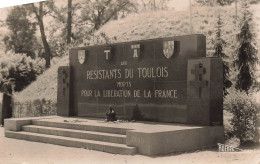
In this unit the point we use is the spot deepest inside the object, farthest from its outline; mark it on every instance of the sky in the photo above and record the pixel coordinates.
(4, 4)
(8, 3)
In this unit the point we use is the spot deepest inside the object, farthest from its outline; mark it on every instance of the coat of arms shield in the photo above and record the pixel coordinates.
(168, 48)
(108, 54)
(136, 51)
(81, 56)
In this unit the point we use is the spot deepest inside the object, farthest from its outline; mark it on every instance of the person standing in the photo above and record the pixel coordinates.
(7, 90)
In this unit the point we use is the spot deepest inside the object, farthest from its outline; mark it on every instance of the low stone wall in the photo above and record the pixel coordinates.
(34, 108)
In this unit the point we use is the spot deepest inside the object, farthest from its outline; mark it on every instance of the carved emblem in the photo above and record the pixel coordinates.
(168, 48)
(136, 51)
(81, 56)
(199, 71)
(108, 54)
(65, 82)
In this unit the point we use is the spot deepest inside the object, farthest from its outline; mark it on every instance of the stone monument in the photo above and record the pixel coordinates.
(161, 80)
(167, 85)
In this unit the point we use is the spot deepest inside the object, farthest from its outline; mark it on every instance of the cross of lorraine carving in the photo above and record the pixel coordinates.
(199, 71)
(65, 82)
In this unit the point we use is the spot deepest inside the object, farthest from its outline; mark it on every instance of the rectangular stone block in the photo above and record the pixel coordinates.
(64, 105)
(165, 142)
(205, 91)
(15, 124)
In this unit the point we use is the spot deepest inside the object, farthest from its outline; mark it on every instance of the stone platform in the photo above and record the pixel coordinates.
(146, 138)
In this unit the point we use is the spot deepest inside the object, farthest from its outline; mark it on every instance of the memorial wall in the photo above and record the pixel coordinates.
(144, 80)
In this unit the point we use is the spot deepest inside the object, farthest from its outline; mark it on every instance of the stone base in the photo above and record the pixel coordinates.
(178, 139)
(147, 138)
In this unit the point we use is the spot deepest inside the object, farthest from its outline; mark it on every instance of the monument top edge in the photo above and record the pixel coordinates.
(139, 41)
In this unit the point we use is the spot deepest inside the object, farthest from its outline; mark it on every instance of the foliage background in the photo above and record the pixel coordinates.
(145, 26)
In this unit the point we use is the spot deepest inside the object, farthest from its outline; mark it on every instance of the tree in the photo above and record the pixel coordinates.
(214, 2)
(59, 15)
(246, 53)
(190, 6)
(219, 44)
(153, 5)
(65, 31)
(254, 1)
(39, 13)
(22, 32)
(99, 12)
(223, 2)
(78, 20)
(69, 21)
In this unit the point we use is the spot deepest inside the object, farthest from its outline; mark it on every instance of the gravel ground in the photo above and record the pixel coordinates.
(14, 151)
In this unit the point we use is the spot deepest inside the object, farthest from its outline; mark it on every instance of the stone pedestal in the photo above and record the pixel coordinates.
(146, 138)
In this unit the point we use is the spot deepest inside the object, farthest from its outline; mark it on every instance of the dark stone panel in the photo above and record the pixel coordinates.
(204, 91)
(171, 101)
(64, 105)
(138, 73)
(198, 98)
(216, 101)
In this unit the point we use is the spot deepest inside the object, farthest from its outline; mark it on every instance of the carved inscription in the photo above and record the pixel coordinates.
(125, 88)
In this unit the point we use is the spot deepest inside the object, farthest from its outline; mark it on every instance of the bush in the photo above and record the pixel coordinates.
(45, 87)
(40, 97)
(245, 116)
(22, 68)
(34, 108)
(228, 128)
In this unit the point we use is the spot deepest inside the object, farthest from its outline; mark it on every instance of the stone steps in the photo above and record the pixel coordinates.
(146, 138)
(81, 134)
(114, 148)
(86, 127)
(107, 138)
